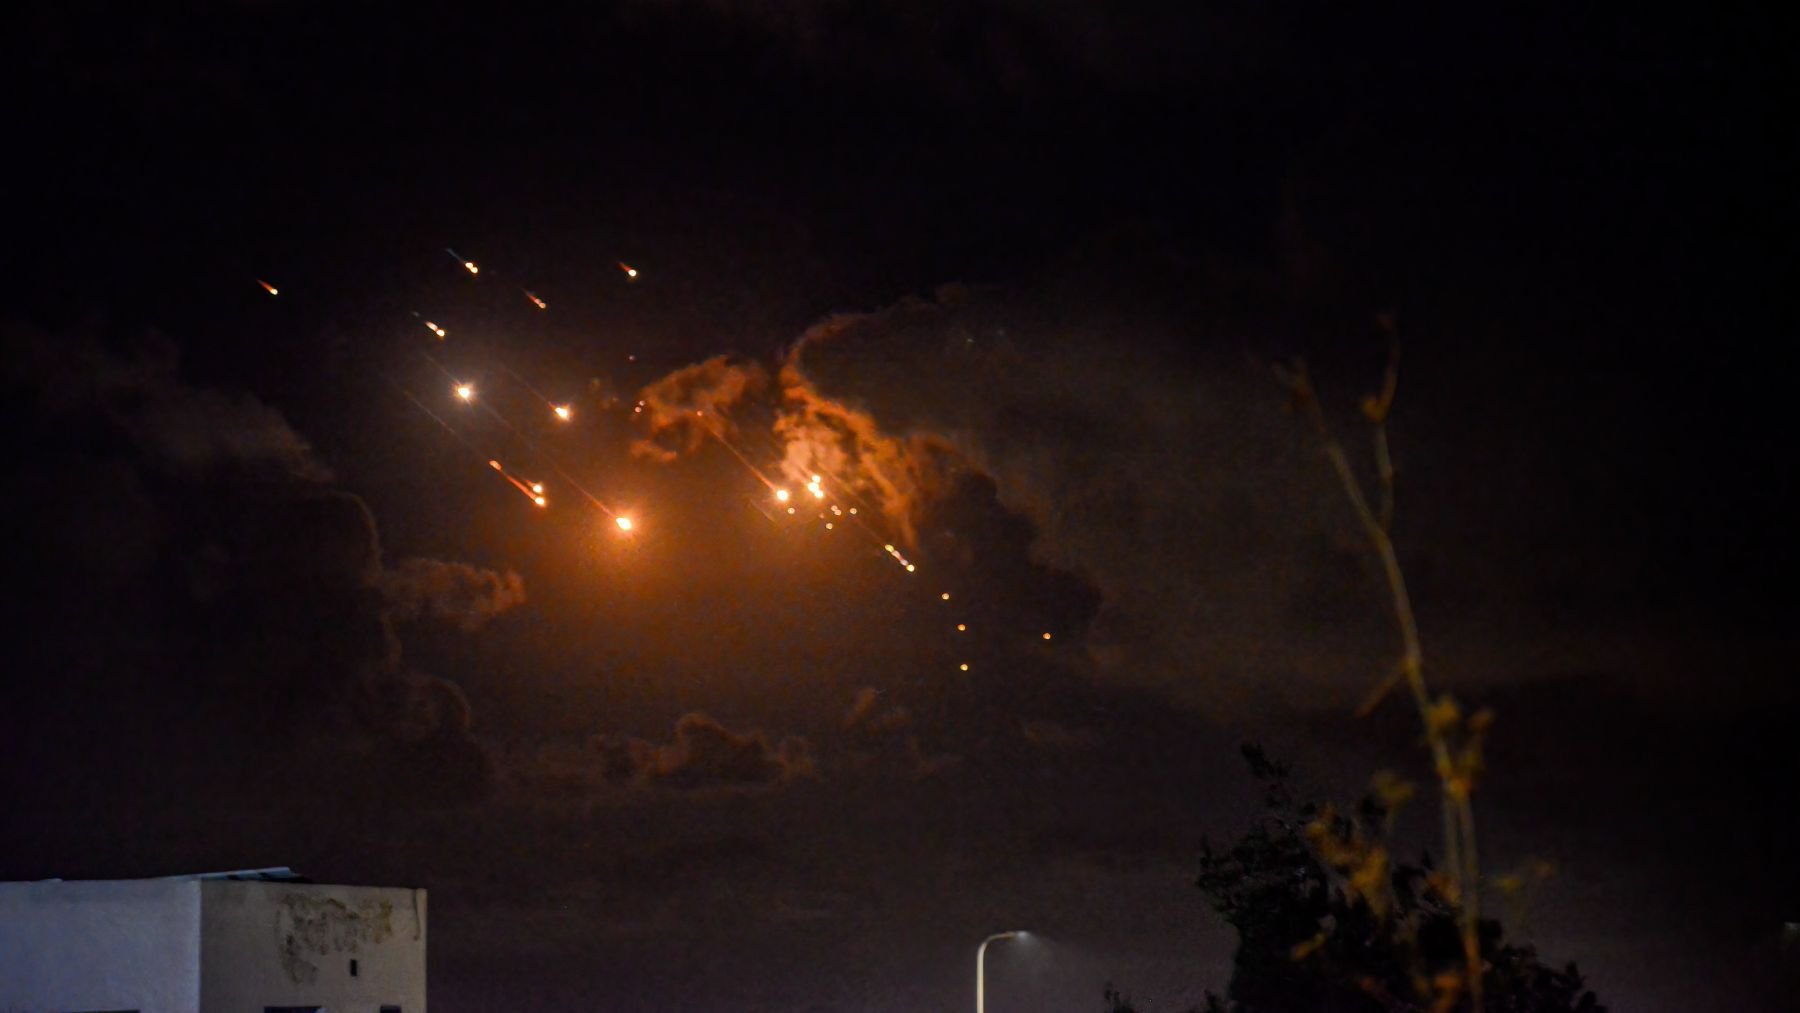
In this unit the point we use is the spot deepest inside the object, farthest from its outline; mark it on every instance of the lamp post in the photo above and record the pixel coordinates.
(981, 968)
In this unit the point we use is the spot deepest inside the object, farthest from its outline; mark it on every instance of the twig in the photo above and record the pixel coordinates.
(1458, 813)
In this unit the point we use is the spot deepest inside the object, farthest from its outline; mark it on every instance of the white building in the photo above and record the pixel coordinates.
(261, 941)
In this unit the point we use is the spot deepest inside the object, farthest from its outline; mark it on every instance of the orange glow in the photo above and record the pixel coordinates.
(495, 465)
(563, 412)
(540, 501)
(465, 391)
(624, 523)
(272, 290)
(470, 264)
(781, 495)
(827, 525)
(960, 628)
(435, 329)
(964, 666)
(945, 596)
(813, 487)
(630, 272)
(1046, 636)
(535, 301)
(910, 568)
(790, 509)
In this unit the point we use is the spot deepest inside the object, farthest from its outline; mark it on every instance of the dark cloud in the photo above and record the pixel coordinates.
(703, 754)
(706, 754)
(195, 577)
(466, 595)
(869, 716)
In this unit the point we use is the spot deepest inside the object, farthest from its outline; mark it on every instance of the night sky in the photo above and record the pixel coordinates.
(1037, 259)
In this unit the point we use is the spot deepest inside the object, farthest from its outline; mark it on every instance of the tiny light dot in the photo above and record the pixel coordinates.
(961, 627)
(964, 666)
(1046, 636)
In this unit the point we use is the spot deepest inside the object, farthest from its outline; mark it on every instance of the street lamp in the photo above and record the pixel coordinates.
(981, 968)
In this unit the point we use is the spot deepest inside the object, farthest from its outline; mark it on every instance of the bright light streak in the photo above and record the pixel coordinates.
(910, 568)
(535, 301)
(630, 272)
(435, 329)
(272, 290)
(563, 412)
(470, 265)
(496, 466)
(465, 391)
(624, 523)
(537, 487)
(781, 496)
(889, 548)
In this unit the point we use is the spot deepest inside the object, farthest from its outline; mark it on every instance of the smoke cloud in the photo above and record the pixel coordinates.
(198, 577)
(453, 592)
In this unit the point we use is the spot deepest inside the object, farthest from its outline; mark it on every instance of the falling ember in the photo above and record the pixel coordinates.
(470, 265)
(272, 290)
(624, 523)
(630, 272)
(910, 568)
(435, 329)
(964, 666)
(540, 501)
(781, 496)
(563, 412)
(962, 628)
(945, 596)
(537, 487)
(827, 525)
(465, 391)
(1046, 636)
(817, 492)
(535, 301)
(496, 466)
(790, 509)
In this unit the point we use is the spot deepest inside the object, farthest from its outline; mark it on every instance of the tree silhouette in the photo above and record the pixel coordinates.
(1327, 921)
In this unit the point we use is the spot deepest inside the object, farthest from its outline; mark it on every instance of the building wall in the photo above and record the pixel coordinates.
(291, 944)
(100, 945)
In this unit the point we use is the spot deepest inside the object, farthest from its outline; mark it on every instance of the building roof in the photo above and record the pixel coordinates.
(273, 874)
